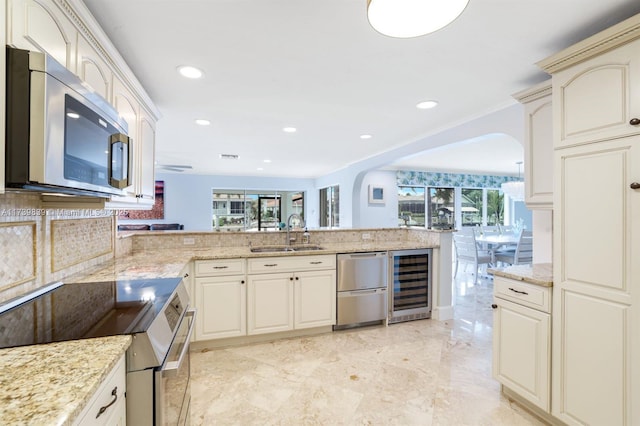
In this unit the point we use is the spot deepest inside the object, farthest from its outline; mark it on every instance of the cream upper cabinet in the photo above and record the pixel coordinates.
(597, 99)
(92, 69)
(146, 159)
(129, 109)
(596, 294)
(538, 145)
(65, 30)
(41, 25)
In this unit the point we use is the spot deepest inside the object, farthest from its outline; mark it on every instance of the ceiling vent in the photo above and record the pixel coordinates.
(229, 156)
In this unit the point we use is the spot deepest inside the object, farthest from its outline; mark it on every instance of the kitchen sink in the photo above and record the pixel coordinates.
(307, 248)
(281, 249)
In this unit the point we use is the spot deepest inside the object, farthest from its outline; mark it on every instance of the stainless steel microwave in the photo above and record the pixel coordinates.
(61, 136)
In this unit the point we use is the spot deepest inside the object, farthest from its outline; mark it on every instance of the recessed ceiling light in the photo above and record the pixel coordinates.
(289, 129)
(202, 122)
(365, 136)
(427, 104)
(189, 71)
(266, 161)
(259, 169)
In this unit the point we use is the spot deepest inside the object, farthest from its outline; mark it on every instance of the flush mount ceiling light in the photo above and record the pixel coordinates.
(365, 136)
(202, 122)
(412, 18)
(289, 129)
(514, 189)
(427, 104)
(189, 71)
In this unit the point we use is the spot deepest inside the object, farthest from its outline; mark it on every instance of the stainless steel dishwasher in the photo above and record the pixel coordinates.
(362, 288)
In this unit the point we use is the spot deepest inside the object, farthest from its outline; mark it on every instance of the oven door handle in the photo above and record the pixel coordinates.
(170, 369)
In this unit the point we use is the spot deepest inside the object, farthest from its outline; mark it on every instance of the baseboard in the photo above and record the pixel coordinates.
(442, 313)
(258, 338)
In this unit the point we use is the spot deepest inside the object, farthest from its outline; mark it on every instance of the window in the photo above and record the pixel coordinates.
(495, 207)
(441, 208)
(251, 210)
(330, 207)
(472, 207)
(411, 206)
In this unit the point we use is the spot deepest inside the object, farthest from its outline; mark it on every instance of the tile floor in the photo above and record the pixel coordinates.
(414, 373)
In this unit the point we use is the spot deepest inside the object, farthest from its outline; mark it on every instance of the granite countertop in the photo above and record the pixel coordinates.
(539, 273)
(167, 263)
(51, 384)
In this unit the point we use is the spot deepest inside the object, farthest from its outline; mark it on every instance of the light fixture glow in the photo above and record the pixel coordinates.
(74, 115)
(365, 136)
(260, 169)
(412, 18)
(266, 161)
(514, 189)
(202, 122)
(189, 71)
(427, 104)
(289, 129)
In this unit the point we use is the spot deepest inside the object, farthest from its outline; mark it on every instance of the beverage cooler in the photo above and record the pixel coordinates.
(409, 285)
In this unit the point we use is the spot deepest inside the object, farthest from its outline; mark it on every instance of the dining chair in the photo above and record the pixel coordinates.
(467, 251)
(522, 254)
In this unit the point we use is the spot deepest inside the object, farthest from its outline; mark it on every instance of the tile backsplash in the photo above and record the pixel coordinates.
(40, 245)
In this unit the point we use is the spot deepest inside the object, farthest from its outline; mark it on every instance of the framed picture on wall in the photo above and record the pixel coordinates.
(376, 194)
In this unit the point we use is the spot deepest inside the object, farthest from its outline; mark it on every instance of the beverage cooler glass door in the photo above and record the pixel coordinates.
(410, 283)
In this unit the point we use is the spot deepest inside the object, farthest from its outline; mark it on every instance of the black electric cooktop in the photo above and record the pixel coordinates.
(84, 310)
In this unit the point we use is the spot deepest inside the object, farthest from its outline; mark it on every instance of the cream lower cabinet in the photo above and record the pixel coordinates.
(287, 293)
(110, 396)
(522, 340)
(270, 303)
(220, 294)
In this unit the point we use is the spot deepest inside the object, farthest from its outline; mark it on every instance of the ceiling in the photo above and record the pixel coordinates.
(319, 67)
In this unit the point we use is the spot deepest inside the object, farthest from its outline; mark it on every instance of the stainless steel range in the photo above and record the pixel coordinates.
(155, 312)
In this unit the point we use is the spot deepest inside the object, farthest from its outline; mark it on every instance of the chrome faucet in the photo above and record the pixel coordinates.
(293, 216)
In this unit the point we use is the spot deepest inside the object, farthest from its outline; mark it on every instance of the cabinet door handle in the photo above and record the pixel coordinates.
(114, 393)
(494, 306)
(242, 282)
(290, 278)
(634, 185)
(518, 291)
(634, 121)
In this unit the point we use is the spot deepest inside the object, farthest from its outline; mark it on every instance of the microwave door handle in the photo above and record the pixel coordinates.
(120, 138)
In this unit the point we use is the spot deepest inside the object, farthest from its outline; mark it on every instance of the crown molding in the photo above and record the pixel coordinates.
(615, 36)
(87, 25)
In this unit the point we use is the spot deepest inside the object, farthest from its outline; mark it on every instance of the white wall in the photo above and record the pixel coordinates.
(187, 198)
(379, 215)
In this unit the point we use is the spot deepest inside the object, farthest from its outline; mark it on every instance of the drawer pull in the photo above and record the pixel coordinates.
(518, 291)
(220, 267)
(634, 121)
(270, 264)
(114, 393)
(315, 263)
(634, 185)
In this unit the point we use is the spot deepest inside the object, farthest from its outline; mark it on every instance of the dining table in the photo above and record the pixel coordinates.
(492, 242)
